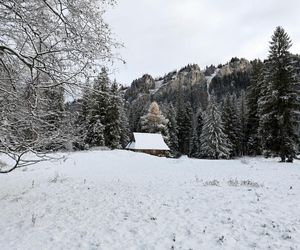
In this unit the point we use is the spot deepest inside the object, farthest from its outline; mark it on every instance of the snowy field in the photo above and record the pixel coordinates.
(123, 200)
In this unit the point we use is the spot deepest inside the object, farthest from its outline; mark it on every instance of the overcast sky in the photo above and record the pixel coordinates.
(163, 35)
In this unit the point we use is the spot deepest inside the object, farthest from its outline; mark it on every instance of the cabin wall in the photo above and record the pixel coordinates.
(159, 153)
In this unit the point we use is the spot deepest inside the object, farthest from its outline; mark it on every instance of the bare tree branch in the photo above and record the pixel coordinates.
(46, 47)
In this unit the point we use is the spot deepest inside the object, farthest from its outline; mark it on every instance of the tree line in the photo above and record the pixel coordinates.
(262, 120)
(101, 119)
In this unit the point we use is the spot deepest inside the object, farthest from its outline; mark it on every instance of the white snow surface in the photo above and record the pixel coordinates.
(158, 84)
(125, 200)
(209, 79)
(148, 141)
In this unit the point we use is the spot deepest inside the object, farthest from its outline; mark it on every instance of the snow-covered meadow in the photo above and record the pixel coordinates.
(125, 200)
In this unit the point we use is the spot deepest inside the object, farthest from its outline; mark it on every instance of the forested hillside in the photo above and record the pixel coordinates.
(238, 108)
(216, 112)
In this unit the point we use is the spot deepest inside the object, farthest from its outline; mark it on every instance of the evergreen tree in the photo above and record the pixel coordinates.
(242, 111)
(189, 125)
(172, 128)
(102, 120)
(97, 129)
(125, 131)
(184, 123)
(97, 103)
(214, 142)
(253, 95)
(136, 110)
(278, 104)
(196, 139)
(82, 108)
(231, 124)
(113, 118)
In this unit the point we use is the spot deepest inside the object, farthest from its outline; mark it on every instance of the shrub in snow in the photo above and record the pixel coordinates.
(221, 239)
(250, 183)
(57, 178)
(212, 183)
(246, 183)
(33, 219)
(233, 182)
(244, 161)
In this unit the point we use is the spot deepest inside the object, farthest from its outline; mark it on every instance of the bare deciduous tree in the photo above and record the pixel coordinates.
(46, 48)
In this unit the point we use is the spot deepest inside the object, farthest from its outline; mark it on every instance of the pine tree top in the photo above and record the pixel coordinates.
(280, 43)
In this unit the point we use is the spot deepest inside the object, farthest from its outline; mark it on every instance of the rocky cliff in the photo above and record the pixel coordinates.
(231, 78)
(196, 84)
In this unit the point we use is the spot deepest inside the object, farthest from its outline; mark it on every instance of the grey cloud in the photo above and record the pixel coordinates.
(160, 36)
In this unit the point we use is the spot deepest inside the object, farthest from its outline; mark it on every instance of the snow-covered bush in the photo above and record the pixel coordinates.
(246, 183)
(250, 183)
(212, 183)
(233, 182)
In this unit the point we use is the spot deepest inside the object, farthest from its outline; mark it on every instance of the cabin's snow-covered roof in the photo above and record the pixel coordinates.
(147, 141)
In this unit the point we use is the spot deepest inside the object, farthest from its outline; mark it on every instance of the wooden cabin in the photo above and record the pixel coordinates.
(148, 143)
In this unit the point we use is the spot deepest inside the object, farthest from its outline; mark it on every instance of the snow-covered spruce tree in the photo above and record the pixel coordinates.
(231, 124)
(113, 118)
(155, 122)
(278, 104)
(125, 130)
(136, 110)
(185, 128)
(97, 129)
(184, 122)
(81, 124)
(97, 108)
(172, 142)
(189, 120)
(196, 138)
(214, 142)
(242, 110)
(253, 95)
(296, 65)
(102, 110)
